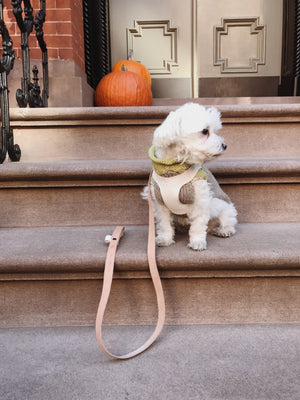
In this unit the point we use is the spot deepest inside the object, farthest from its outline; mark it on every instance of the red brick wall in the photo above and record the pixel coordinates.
(63, 30)
(77, 33)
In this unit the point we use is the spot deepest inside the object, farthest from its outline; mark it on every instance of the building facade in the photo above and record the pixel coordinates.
(192, 49)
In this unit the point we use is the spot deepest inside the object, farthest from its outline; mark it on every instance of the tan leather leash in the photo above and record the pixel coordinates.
(107, 281)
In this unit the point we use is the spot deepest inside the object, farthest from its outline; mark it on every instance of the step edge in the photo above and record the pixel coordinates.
(133, 169)
(136, 261)
(151, 112)
(145, 274)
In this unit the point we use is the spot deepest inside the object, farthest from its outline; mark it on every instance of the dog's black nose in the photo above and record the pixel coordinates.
(224, 146)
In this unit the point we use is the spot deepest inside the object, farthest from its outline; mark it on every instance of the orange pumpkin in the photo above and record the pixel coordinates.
(134, 66)
(121, 89)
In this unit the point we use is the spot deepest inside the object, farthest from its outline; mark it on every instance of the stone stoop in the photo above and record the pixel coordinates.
(52, 276)
(125, 133)
(82, 172)
(83, 193)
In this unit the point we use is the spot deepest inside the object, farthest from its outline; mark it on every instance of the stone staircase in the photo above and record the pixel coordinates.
(82, 172)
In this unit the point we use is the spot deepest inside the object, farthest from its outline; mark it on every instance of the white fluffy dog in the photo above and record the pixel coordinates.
(184, 192)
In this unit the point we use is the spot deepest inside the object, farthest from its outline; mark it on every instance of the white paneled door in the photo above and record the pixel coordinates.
(201, 48)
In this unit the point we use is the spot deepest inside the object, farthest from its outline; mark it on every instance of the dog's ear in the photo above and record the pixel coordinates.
(166, 133)
(215, 118)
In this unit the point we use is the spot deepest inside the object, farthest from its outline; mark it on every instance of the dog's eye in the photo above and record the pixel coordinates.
(205, 131)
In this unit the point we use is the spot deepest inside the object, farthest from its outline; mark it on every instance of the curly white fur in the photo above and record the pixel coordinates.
(189, 135)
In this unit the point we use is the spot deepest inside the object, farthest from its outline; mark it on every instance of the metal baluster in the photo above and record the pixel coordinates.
(35, 99)
(30, 91)
(38, 23)
(297, 47)
(6, 64)
(25, 25)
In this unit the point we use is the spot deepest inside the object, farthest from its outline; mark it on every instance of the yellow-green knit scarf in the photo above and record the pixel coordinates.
(163, 166)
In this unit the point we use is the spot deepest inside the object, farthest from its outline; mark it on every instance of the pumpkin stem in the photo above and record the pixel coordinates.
(123, 68)
(130, 55)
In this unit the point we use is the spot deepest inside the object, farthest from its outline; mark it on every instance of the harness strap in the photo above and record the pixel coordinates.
(107, 281)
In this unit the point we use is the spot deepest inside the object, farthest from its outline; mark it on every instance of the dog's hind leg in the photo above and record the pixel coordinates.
(227, 218)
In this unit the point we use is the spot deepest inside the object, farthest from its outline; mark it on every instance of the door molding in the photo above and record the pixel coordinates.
(96, 40)
(290, 61)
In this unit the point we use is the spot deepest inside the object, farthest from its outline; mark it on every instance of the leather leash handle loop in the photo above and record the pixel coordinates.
(107, 281)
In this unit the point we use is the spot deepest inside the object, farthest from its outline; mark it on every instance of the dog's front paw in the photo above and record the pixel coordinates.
(162, 240)
(198, 245)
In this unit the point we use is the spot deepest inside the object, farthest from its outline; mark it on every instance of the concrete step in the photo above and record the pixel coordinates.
(243, 362)
(108, 192)
(52, 276)
(250, 130)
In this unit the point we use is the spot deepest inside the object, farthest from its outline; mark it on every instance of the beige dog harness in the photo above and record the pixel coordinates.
(171, 176)
(170, 188)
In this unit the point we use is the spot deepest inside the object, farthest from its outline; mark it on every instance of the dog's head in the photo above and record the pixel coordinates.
(189, 135)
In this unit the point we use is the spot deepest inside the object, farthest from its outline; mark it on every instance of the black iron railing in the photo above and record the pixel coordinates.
(6, 64)
(297, 48)
(30, 92)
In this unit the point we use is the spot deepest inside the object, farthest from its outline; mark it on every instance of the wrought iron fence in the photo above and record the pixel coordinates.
(30, 92)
